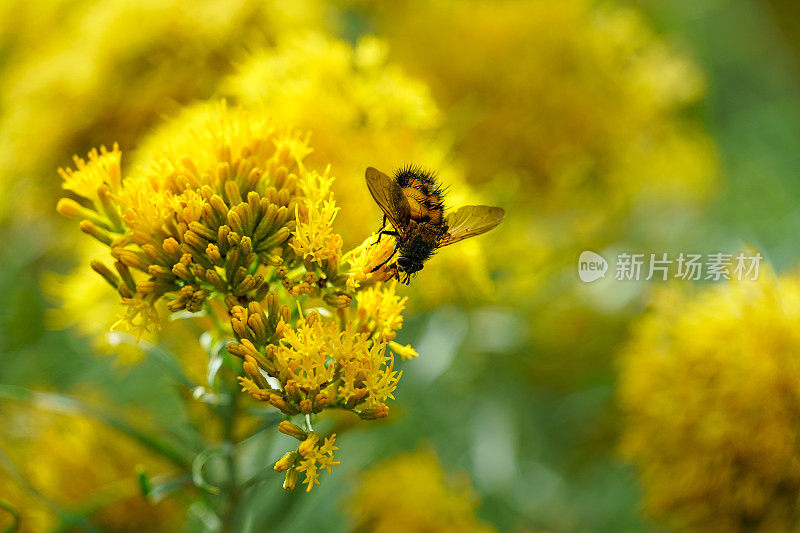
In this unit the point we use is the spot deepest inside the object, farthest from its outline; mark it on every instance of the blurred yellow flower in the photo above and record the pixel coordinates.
(77, 73)
(79, 465)
(571, 115)
(710, 389)
(410, 492)
(573, 103)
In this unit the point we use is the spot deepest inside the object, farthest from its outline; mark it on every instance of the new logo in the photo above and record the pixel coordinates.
(591, 266)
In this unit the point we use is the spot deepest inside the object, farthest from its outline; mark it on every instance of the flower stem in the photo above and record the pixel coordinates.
(232, 492)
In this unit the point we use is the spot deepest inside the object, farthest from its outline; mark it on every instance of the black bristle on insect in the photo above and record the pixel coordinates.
(405, 173)
(430, 187)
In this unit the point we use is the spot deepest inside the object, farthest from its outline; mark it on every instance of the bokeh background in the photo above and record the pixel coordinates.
(538, 403)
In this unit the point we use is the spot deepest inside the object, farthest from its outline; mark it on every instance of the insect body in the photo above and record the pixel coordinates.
(413, 204)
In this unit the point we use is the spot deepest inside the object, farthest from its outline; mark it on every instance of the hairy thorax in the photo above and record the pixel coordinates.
(425, 201)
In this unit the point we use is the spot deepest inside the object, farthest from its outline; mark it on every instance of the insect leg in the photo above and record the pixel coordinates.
(391, 233)
(380, 231)
(387, 260)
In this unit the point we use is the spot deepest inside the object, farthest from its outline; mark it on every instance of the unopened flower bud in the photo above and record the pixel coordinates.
(293, 430)
(285, 462)
(230, 186)
(381, 411)
(306, 406)
(290, 481)
(130, 258)
(309, 444)
(203, 231)
(106, 272)
(212, 251)
(279, 403)
(171, 246)
(321, 400)
(70, 208)
(91, 228)
(312, 318)
(339, 301)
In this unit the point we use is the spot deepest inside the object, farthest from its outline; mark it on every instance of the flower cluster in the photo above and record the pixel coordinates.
(311, 456)
(710, 389)
(227, 220)
(360, 109)
(317, 364)
(411, 492)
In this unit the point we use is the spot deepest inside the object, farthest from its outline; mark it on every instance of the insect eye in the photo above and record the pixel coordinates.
(404, 262)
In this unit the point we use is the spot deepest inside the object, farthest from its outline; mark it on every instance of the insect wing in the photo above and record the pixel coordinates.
(389, 196)
(471, 220)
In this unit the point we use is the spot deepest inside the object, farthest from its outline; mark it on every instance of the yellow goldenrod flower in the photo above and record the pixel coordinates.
(379, 310)
(367, 375)
(363, 260)
(305, 351)
(411, 493)
(314, 239)
(87, 179)
(75, 72)
(310, 457)
(710, 385)
(315, 458)
(325, 86)
(224, 217)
